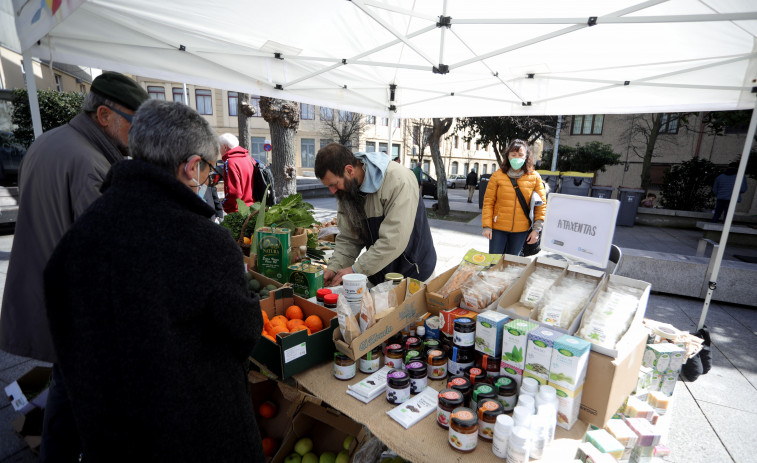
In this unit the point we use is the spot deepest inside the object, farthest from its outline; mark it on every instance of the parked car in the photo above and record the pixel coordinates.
(455, 181)
(429, 186)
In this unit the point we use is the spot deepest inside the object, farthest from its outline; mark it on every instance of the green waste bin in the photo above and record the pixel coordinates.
(629, 203)
(575, 183)
(600, 191)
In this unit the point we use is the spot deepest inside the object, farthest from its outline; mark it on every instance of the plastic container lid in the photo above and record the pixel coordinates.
(475, 374)
(420, 331)
(547, 395)
(520, 413)
(464, 417)
(528, 402)
(460, 383)
(504, 385)
(413, 343)
(435, 354)
(417, 369)
(504, 425)
(395, 348)
(464, 324)
(330, 298)
(322, 292)
(529, 386)
(450, 397)
(483, 391)
(489, 408)
(520, 436)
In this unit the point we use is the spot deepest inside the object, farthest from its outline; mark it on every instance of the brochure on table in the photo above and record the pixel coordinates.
(580, 227)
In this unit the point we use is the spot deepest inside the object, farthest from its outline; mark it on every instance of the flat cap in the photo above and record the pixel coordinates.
(121, 89)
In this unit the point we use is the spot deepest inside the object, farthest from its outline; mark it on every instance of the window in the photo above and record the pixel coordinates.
(383, 147)
(426, 166)
(396, 123)
(325, 141)
(58, 83)
(178, 94)
(370, 147)
(233, 98)
(308, 111)
(465, 171)
(467, 145)
(395, 151)
(590, 124)
(327, 114)
(345, 116)
(156, 93)
(478, 147)
(257, 151)
(485, 168)
(82, 89)
(475, 166)
(255, 103)
(385, 121)
(457, 141)
(454, 168)
(494, 167)
(370, 120)
(307, 152)
(657, 173)
(204, 101)
(669, 123)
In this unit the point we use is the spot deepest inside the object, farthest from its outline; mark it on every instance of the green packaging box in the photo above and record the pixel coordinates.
(273, 252)
(514, 341)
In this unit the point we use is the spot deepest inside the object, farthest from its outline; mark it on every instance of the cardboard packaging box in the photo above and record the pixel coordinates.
(568, 405)
(515, 340)
(539, 352)
(436, 301)
(30, 390)
(447, 318)
(509, 303)
(570, 358)
(410, 307)
(298, 351)
(489, 327)
(664, 357)
(264, 280)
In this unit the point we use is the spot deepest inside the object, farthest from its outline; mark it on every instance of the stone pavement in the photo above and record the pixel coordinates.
(712, 420)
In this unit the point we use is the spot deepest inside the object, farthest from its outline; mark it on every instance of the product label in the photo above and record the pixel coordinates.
(456, 368)
(369, 366)
(552, 315)
(394, 363)
(437, 371)
(464, 339)
(463, 441)
(456, 382)
(397, 374)
(417, 385)
(517, 455)
(499, 447)
(397, 396)
(344, 372)
(295, 352)
(485, 430)
(507, 402)
(442, 417)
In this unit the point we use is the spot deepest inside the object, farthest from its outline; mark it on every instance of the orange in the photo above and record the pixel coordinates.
(279, 320)
(267, 409)
(278, 329)
(269, 446)
(246, 240)
(265, 316)
(268, 327)
(294, 311)
(294, 322)
(300, 328)
(269, 337)
(314, 323)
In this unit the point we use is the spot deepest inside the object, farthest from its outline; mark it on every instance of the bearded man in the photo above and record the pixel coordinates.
(378, 208)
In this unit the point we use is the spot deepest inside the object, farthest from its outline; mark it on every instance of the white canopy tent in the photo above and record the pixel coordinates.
(424, 58)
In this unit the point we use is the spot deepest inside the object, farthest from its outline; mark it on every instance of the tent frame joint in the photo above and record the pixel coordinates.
(278, 55)
(279, 87)
(392, 108)
(441, 69)
(444, 21)
(526, 103)
(592, 21)
(182, 48)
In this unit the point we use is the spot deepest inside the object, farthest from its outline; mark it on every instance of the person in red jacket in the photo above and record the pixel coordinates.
(238, 167)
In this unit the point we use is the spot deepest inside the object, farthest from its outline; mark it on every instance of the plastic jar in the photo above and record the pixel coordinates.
(518, 445)
(462, 384)
(437, 364)
(547, 395)
(521, 415)
(320, 293)
(449, 399)
(464, 334)
(482, 391)
(490, 365)
(507, 392)
(463, 430)
(475, 375)
(529, 386)
(394, 355)
(502, 430)
(488, 411)
(525, 400)
(344, 367)
(413, 343)
(460, 358)
(413, 356)
(397, 386)
(329, 300)
(417, 372)
(395, 278)
(371, 362)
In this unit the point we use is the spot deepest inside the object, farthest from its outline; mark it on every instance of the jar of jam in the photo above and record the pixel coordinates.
(482, 391)
(475, 375)
(413, 343)
(488, 411)
(371, 362)
(417, 372)
(394, 355)
(460, 358)
(507, 392)
(413, 355)
(396, 338)
(464, 334)
(329, 300)
(449, 399)
(397, 386)
(344, 367)
(446, 340)
(463, 430)
(462, 384)
(431, 344)
(489, 364)
(437, 364)
(320, 293)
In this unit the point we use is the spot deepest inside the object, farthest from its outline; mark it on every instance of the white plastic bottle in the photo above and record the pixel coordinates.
(521, 414)
(539, 433)
(503, 427)
(529, 386)
(518, 444)
(549, 413)
(547, 395)
(528, 402)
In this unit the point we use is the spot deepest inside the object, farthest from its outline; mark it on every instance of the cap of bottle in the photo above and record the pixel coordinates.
(520, 436)
(420, 331)
(503, 425)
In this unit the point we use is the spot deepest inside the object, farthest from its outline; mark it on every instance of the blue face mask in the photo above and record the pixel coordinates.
(202, 187)
(517, 163)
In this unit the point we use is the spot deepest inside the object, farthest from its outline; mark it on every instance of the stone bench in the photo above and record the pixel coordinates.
(712, 232)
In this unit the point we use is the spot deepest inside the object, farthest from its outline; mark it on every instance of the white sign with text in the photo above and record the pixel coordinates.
(580, 227)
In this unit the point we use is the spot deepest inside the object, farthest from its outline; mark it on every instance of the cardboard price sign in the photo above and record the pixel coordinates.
(580, 227)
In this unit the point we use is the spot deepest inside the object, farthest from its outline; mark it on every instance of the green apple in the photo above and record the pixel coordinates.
(310, 458)
(293, 458)
(327, 457)
(303, 445)
(347, 442)
(343, 457)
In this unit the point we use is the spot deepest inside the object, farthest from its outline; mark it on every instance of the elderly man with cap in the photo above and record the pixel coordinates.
(59, 177)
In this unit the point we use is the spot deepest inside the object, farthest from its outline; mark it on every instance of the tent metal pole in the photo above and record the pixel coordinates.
(557, 144)
(712, 284)
(444, 32)
(186, 94)
(31, 90)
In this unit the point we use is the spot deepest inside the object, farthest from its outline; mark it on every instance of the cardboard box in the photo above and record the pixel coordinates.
(610, 380)
(539, 352)
(408, 310)
(509, 303)
(298, 351)
(514, 342)
(436, 301)
(664, 358)
(447, 318)
(265, 281)
(568, 405)
(30, 390)
(512, 372)
(570, 358)
(489, 327)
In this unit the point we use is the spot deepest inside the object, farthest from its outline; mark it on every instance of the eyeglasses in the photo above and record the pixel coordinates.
(128, 117)
(215, 174)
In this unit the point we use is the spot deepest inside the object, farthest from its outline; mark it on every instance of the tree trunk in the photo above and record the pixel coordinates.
(242, 121)
(440, 127)
(645, 178)
(283, 119)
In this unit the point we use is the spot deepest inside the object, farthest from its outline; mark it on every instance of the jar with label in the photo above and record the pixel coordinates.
(417, 372)
(449, 399)
(462, 384)
(491, 365)
(394, 355)
(395, 278)
(431, 344)
(320, 293)
(460, 358)
(437, 364)
(397, 386)
(464, 332)
(329, 300)
(488, 411)
(475, 375)
(463, 430)
(482, 391)
(413, 343)
(413, 355)
(371, 362)
(446, 340)
(507, 392)
(344, 367)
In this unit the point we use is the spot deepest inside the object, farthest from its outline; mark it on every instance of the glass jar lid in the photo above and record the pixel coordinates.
(489, 408)
(397, 378)
(464, 417)
(504, 385)
(395, 348)
(450, 398)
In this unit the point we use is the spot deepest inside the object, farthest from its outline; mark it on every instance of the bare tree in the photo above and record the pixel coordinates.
(283, 119)
(244, 112)
(420, 135)
(345, 128)
(643, 132)
(438, 129)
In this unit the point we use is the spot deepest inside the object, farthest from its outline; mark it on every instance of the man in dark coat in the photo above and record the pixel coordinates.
(60, 176)
(470, 183)
(149, 310)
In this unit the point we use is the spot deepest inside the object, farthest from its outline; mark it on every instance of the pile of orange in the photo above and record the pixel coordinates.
(293, 320)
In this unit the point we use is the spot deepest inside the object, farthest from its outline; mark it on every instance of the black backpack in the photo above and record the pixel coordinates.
(262, 180)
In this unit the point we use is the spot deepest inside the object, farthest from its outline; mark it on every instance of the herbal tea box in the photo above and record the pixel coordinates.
(489, 327)
(570, 357)
(539, 352)
(273, 252)
(568, 405)
(515, 340)
(664, 357)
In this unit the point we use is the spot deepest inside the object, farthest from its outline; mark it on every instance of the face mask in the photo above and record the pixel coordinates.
(517, 163)
(203, 187)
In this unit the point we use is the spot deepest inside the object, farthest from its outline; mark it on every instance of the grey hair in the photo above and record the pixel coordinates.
(229, 140)
(94, 100)
(167, 133)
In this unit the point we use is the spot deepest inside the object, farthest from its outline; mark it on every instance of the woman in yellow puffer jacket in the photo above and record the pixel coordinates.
(506, 225)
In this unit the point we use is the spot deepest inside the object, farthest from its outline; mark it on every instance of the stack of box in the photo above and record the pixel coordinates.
(636, 408)
(665, 360)
(647, 438)
(514, 344)
(623, 434)
(567, 372)
(489, 328)
(539, 353)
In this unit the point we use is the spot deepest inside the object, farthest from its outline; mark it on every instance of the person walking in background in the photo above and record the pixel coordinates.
(723, 189)
(649, 201)
(505, 213)
(60, 176)
(470, 183)
(152, 337)
(238, 173)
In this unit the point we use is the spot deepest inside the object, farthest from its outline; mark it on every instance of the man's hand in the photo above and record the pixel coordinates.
(532, 237)
(327, 276)
(337, 279)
